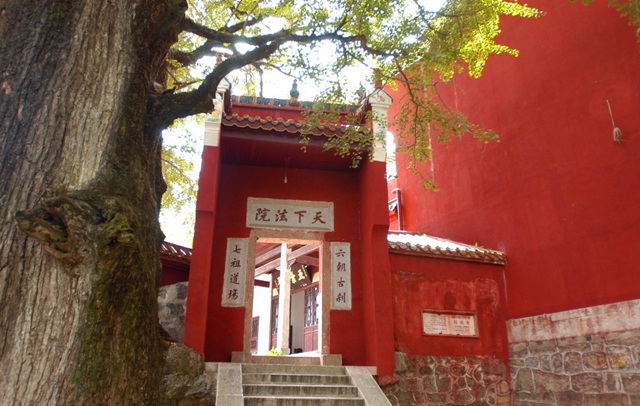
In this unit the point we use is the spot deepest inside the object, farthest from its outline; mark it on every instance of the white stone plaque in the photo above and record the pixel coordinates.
(289, 214)
(341, 275)
(434, 323)
(449, 323)
(463, 324)
(235, 272)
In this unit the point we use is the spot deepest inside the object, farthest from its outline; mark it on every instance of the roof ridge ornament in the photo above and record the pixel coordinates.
(294, 93)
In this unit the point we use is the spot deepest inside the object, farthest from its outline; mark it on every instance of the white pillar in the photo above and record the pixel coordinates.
(284, 302)
(380, 102)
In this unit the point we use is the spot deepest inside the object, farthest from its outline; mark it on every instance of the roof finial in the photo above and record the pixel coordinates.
(294, 93)
(362, 93)
(377, 78)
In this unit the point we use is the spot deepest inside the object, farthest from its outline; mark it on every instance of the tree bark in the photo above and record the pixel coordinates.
(79, 199)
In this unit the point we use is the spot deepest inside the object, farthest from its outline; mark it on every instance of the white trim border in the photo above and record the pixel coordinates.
(621, 316)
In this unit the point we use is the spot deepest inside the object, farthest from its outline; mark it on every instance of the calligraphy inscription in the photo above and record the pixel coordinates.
(289, 214)
(235, 272)
(341, 275)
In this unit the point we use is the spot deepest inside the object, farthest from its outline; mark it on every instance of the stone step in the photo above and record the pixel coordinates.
(300, 390)
(296, 379)
(285, 359)
(292, 369)
(296, 401)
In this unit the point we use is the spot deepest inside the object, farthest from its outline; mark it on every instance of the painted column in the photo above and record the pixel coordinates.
(202, 253)
(378, 314)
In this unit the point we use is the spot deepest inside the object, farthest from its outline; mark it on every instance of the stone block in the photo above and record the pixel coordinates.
(462, 397)
(435, 399)
(426, 370)
(470, 382)
(619, 357)
(523, 381)
(537, 398)
(631, 383)
(518, 350)
(402, 362)
(572, 362)
(429, 384)
(479, 391)
(635, 351)
(532, 362)
(587, 382)
(516, 362)
(606, 399)
(545, 363)
(501, 400)
(542, 347)
(181, 290)
(546, 382)
(557, 364)
(443, 383)
(598, 342)
(612, 382)
(442, 370)
(388, 380)
(569, 398)
(494, 366)
(513, 372)
(578, 344)
(414, 385)
(595, 361)
(458, 369)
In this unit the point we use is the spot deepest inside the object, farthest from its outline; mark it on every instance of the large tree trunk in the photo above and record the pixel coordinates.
(80, 186)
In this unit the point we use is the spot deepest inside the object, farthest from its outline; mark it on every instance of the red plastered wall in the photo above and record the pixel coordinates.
(237, 183)
(557, 194)
(421, 283)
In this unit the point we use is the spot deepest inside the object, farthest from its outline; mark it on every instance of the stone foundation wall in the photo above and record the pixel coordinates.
(595, 369)
(172, 307)
(431, 380)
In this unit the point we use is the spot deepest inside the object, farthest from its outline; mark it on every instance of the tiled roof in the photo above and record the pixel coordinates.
(399, 242)
(425, 245)
(280, 125)
(265, 101)
(174, 251)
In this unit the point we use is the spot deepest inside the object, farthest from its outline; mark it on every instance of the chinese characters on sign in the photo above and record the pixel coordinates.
(289, 214)
(450, 324)
(341, 275)
(235, 272)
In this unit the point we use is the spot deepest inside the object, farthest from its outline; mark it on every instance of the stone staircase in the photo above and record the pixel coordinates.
(296, 385)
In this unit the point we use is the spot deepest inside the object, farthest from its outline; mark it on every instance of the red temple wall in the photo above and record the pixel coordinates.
(420, 283)
(557, 194)
(172, 273)
(237, 183)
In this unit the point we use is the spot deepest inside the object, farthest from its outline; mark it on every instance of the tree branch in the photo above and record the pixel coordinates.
(165, 108)
(281, 36)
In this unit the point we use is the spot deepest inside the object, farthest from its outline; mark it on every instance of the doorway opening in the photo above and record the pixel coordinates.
(286, 309)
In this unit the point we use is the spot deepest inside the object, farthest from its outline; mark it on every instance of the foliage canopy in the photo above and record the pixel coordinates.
(337, 44)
